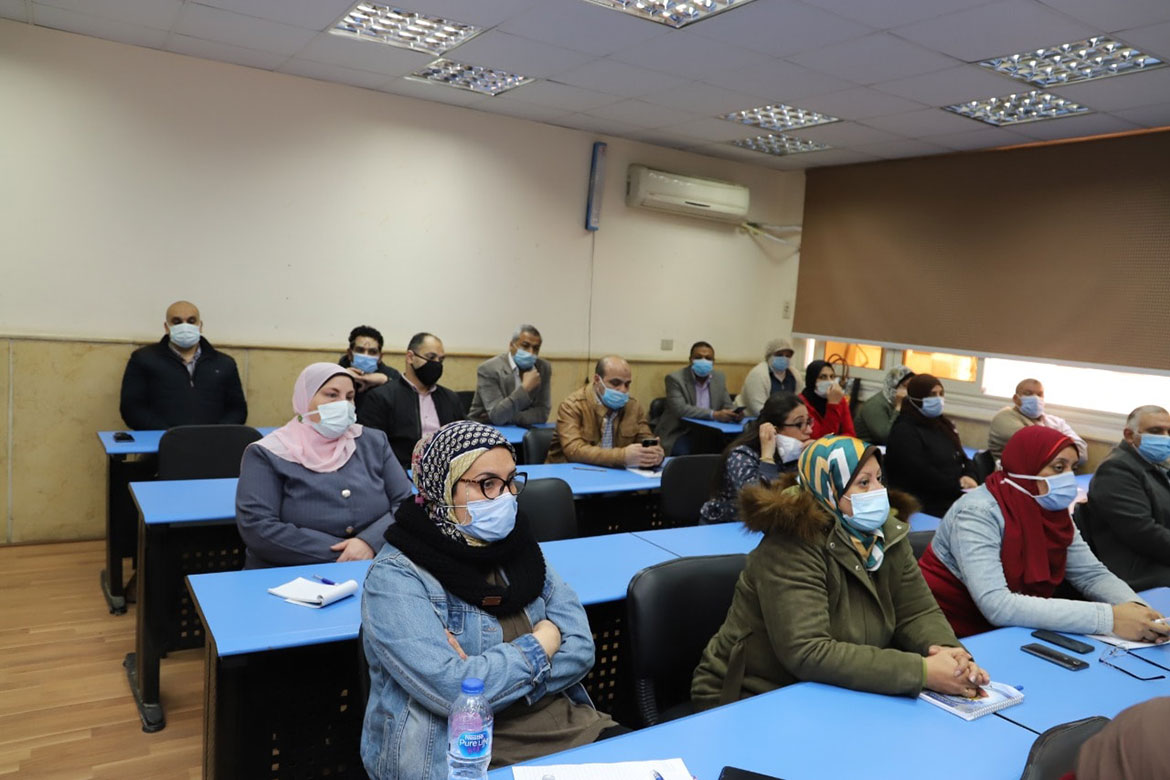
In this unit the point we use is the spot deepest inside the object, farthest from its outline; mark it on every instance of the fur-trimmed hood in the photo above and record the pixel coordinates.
(773, 507)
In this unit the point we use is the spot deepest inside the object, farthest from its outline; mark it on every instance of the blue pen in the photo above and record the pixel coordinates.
(654, 774)
(322, 580)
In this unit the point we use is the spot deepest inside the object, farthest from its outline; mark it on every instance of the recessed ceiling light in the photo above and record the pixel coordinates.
(671, 12)
(1018, 108)
(779, 117)
(1068, 63)
(405, 29)
(473, 78)
(780, 144)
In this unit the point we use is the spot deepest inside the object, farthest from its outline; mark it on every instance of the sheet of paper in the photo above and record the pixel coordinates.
(307, 593)
(648, 473)
(1117, 641)
(669, 768)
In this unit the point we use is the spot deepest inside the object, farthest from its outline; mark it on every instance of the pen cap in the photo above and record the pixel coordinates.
(472, 686)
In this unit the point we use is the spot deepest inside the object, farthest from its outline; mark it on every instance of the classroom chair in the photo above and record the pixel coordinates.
(1054, 753)
(654, 413)
(919, 541)
(534, 446)
(984, 465)
(686, 486)
(548, 506)
(672, 611)
(203, 451)
(465, 399)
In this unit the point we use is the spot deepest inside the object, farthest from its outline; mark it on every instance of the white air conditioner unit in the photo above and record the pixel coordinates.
(686, 195)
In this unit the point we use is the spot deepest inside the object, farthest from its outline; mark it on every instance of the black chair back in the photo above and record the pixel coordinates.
(1054, 753)
(203, 451)
(919, 541)
(673, 610)
(534, 446)
(547, 505)
(984, 465)
(363, 668)
(654, 413)
(465, 398)
(686, 486)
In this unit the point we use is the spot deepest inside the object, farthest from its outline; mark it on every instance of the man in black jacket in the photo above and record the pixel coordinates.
(1126, 520)
(181, 380)
(414, 404)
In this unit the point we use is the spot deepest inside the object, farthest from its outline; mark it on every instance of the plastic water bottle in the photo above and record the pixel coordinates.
(469, 733)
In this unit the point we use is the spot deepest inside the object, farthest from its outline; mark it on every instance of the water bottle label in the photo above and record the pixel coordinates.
(474, 744)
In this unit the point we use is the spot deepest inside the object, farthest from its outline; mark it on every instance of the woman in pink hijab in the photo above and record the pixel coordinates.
(320, 488)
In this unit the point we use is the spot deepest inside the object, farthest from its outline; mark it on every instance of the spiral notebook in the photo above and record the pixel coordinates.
(998, 697)
(306, 593)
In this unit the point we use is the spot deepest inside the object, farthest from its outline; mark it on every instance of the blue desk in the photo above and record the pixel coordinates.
(795, 733)
(726, 428)
(585, 480)
(717, 539)
(971, 452)
(515, 433)
(920, 521)
(600, 567)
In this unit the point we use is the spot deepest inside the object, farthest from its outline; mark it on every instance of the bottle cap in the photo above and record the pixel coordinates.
(472, 686)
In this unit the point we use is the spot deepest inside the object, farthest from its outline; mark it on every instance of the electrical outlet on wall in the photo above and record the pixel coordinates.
(667, 345)
(787, 310)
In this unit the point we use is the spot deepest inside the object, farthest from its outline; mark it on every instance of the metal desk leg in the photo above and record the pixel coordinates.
(142, 666)
(117, 493)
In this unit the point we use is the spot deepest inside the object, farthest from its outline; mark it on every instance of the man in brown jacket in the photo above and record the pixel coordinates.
(602, 425)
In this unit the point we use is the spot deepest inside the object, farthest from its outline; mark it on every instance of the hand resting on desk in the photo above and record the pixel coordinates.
(1139, 623)
(951, 670)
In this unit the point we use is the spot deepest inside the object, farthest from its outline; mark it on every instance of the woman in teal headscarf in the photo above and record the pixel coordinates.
(832, 593)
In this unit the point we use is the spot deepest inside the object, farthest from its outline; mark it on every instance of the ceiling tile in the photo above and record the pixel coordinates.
(501, 51)
(363, 55)
(995, 30)
(133, 34)
(665, 138)
(946, 87)
(560, 96)
(325, 72)
(916, 124)
(311, 14)
(1117, 92)
(780, 27)
(874, 58)
(884, 14)
(434, 93)
(212, 50)
(981, 137)
(858, 103)
(1114, 15)
(1154, 39)
(703, 99)
(518, 109)
(618, 78)
(713, 129)
(834, 157)
(159, 14)
(1074, 127)
(779, 81)
(17, 10)
(642, 114)
(594, 124)
(906, 148)
(562, 23)
(1148, 116)
(481, 14)
(684, 54)
(214, 24)
(845, 134)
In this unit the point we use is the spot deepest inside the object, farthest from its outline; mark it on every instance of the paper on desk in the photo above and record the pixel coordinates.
(1117, 641)
(649, 473)
(306, 593)
(669, 768)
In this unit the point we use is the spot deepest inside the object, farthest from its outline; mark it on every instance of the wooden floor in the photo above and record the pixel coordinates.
(65, 706)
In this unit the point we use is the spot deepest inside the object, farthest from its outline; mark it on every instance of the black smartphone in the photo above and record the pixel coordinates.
(649, 442)
(740, 409)
(1060, 640)
(1055, 656)
(732, 773)
(123, 436)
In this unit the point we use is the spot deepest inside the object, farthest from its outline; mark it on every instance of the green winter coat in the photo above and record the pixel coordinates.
(805, 608)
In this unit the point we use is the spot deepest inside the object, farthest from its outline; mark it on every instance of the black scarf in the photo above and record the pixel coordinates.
(810, 387)
(463, 570)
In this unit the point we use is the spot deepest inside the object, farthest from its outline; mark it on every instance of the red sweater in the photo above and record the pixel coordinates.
(837, 419)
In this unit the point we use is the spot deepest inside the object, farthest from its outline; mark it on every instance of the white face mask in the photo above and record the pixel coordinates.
(788, 449)
(823, 387)
(336, 417)
(184, 335)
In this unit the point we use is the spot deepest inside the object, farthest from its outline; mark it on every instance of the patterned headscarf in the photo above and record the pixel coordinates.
(826, 469)
(441, 458)
(894, 377)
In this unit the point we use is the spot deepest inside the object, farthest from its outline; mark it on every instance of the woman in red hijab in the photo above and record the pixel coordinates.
(1002, 550)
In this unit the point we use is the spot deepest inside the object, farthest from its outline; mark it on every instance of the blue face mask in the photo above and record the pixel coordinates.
(1031, 406)
(524, 360)
(491, 519)
(367, 364)
(1155, 447)
(870, 510)
(702, 367)
(1062, 490)
(779, 364)
(932, 406)
(184, 335)
(614, 399)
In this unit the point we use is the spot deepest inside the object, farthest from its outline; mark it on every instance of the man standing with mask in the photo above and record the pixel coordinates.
(601, 424)
(1028, 409)
(414, 404)
(513, 388)
(695, 391)
(1126, 520)
(181, 380)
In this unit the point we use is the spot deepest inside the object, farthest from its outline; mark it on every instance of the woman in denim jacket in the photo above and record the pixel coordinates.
(462, 590)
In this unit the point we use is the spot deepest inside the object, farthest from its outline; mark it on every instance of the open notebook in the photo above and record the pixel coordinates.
(998, 696)
(667, 769)
(306, 593)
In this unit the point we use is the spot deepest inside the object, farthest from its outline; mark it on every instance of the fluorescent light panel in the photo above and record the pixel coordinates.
(780, 144)
(671, 12)
(405, 29)
(473, 78)
(779, 117)
(1018, 108)
(1068, 63)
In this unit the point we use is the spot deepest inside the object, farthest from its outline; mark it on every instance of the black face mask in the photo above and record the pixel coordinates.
(429, 372)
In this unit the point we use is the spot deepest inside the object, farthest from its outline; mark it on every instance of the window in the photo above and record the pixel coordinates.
(855, 355)
(960, 368)
(1088, 388)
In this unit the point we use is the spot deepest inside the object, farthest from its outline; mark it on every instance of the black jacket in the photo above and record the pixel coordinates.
(158, 393)
(924, 462)
(359, 399)
(393, 409)
(1126, 520)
